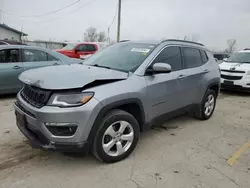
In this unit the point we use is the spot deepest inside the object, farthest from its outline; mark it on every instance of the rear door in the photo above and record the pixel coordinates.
(10, 68)
(33, 58)
(193, 74)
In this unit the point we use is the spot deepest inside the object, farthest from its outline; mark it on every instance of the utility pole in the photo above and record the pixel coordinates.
(119, 20)
(109, 36)
(2, 12)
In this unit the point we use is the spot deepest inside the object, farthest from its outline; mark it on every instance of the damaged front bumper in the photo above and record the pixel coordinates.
(38, 140)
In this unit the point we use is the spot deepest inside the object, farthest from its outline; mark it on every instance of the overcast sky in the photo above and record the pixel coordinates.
(212, 22)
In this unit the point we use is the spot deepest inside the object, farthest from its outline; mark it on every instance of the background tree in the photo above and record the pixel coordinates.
(231, 46)
(91, 35)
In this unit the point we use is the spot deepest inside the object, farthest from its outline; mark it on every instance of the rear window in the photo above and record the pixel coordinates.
(192, 57)
(91, 48)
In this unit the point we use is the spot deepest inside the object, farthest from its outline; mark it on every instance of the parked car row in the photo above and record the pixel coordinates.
(102, 104)
(219, 57)
(81, 50)
(15, 59)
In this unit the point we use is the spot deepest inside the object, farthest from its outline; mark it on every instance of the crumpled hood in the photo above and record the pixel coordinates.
(69, 76)
(237, 66)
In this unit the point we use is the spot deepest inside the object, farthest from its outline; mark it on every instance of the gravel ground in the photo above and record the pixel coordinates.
(181, 153)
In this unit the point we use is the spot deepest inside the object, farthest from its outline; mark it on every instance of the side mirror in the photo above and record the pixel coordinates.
(159, 68)
(76, 51)
(224, 59)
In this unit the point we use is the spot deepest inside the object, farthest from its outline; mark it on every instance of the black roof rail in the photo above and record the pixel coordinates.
(177, 40)
(124, 40)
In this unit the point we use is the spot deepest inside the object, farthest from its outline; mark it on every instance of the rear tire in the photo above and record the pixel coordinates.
(117, 137)
(206, 109)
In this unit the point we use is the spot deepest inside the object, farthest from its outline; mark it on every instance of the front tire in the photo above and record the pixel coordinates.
(117, 136)
(206, 109)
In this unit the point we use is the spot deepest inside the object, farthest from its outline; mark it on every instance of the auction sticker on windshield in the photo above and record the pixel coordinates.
(141, 50)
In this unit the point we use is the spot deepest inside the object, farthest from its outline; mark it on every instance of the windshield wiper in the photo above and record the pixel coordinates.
(96, 65)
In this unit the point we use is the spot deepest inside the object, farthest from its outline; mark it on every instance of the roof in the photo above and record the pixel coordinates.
(156, 42)
(21, 46)
(84, 42)
(12, 29)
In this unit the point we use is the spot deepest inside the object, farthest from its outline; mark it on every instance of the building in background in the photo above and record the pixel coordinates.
(8, 33)
(52, 45)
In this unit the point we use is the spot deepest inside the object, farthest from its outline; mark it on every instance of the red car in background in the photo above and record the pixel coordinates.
(80, 50)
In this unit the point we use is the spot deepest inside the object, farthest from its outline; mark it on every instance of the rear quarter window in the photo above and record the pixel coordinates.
(204, 56)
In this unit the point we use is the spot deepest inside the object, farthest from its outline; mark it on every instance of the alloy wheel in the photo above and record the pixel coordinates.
(118, 138)
(209, 105)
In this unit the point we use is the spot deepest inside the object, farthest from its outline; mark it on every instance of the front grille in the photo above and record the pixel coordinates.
(35, 96)
(227, 77)
(233, 71)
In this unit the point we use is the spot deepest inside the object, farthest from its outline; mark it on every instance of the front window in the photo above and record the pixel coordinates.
(239, 57)
(36, 55)
(69, 47)
(126, 57)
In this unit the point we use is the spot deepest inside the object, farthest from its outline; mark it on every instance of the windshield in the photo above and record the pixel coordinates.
(69, 47)
(240, 57)
(126, 57)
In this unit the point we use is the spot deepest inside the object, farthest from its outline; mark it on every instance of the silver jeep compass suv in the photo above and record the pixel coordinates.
(104, 103)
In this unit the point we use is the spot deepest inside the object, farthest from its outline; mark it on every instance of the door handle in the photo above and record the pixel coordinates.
(56, 64)
(181, 77)
(16, 67)
(206, 71)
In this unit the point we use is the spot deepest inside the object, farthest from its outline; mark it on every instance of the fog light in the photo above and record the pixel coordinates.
(61, 129)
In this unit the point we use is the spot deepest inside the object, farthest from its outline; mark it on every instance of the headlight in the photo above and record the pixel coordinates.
(70, 100)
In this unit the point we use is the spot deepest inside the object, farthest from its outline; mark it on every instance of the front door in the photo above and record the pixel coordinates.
(10, 68)
(164, 90)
